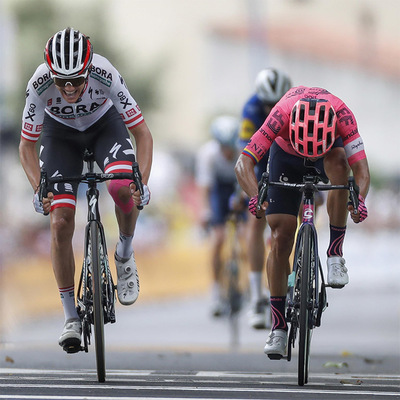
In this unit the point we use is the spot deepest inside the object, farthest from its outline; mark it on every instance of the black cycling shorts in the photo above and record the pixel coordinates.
(62, 148)
(286, 167)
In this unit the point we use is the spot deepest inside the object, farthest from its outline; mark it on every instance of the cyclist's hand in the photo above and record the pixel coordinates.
(253, 207)
(362, 212)
(42, 207)
(140, 200)
(145, 197)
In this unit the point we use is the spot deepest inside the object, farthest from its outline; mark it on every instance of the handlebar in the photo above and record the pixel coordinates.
(90, 177)
(311, 182)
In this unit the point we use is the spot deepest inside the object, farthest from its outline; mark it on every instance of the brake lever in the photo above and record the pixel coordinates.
(354, 191)
(262, 190)
(43, 192)
(137, 180)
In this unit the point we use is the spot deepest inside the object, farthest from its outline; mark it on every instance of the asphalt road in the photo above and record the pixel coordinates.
(174, 349)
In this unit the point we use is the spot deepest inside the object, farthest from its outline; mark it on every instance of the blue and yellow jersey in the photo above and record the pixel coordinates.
(253, 116)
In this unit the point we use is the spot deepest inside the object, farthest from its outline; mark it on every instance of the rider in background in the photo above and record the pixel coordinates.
(76, 100)
(216, 179)
(271, 84)
(309, 127)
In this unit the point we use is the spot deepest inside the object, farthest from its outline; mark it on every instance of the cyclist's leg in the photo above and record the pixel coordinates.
(282, 214)
(337, 170)
(60, 155)
(219, 207)
(114, 152)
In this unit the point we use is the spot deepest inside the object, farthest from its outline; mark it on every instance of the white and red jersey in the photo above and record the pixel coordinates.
(105, 87)
(276, 126)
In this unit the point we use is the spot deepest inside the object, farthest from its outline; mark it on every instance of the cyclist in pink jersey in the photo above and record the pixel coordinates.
(77, 100)
(308, 127)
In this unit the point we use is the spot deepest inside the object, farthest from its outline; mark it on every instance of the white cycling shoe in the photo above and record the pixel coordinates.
(337, 272)
(70, 339)
(275, 347)
(128, 280)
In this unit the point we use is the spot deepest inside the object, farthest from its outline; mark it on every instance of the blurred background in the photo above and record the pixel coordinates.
(186, 61)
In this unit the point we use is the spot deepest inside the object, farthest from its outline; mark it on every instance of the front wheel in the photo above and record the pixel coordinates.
(98, 313)
(306, 303)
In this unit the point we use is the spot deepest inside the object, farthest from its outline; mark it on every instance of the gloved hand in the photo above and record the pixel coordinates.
(253, 206)
(145, 197)
(37, 204)
(362, 208)
(361, 213)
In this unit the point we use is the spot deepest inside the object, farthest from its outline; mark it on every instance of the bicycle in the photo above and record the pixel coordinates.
(96, 289)
(307, 298)
(233, 273)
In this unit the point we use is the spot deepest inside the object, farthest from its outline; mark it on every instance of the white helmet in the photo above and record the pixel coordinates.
(271, 85)
(68, 54)
(225, 130)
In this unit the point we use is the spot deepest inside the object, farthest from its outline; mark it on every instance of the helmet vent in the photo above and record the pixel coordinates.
(301, 133)
(320, 134)
(310, 129)
(321, 115)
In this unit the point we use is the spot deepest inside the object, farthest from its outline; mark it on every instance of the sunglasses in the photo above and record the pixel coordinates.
(75, 82)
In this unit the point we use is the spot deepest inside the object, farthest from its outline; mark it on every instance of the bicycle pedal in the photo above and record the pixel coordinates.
(276, 357)
(72, 346)
(335, 287)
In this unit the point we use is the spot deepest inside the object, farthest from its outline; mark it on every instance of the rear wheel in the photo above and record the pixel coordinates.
(98, 309)
(306, 304)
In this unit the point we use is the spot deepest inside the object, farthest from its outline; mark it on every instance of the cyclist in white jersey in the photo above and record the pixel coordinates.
(78, 100)
(216, 179)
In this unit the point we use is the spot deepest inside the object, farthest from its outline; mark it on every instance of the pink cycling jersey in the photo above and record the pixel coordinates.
(276, 126)
(105, 88)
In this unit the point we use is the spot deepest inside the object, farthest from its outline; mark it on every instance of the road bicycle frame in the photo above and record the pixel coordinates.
(307, 294)
(96, 290)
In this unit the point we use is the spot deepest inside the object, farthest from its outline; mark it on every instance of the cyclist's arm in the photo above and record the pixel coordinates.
(30, 162)
(247, 179)
(361, 175)
(244, 170)
(144, 149)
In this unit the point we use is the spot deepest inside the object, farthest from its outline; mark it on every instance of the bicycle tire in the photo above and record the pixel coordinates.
(305, 315)
(98, 309)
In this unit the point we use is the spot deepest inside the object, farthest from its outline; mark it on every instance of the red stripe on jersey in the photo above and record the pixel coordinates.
(118, 166)
(132, 120)
(59, 205)
(32, 137)
(63, 200)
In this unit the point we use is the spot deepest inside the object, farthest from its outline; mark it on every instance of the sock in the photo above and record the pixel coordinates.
(255, 281)
(124, 246)
(68, 301)
(336, 242)
(278, 304)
